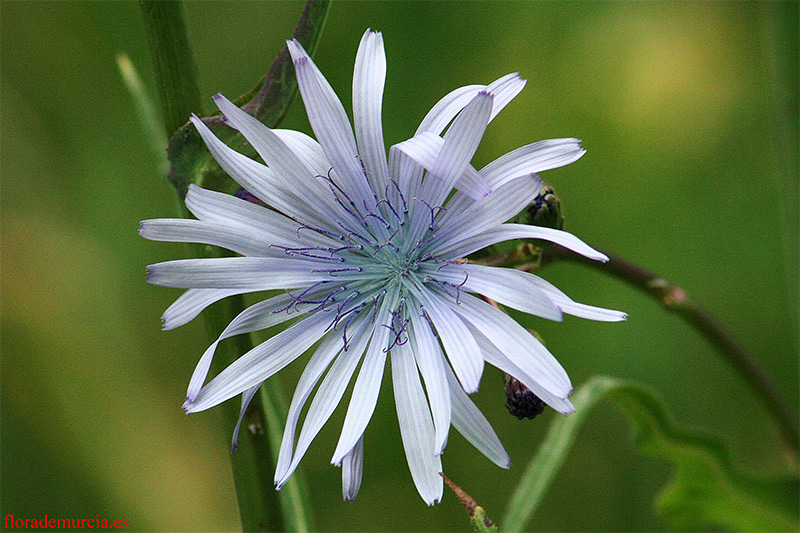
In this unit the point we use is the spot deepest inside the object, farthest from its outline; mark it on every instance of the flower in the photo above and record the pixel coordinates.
(370, 254)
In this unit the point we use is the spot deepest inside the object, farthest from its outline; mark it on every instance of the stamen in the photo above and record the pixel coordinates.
(434, 211)
(399, 193)
(306, 252)
(420, 243)
(332, 272)
(320, 231)
(375, 299)
(373, 215)
(446, 285)
(300, 299)
(351, 314)
(388, 243)
(397, 327)
(329, 179)
(389, 205)
(424, 315)
(347, 300)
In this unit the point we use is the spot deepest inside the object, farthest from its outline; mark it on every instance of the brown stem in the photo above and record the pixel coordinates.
(675, 300)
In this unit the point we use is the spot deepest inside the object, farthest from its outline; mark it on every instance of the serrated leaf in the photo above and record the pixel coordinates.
(706, 488)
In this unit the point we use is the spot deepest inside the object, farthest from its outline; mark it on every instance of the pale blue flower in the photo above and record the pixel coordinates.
(370, 251)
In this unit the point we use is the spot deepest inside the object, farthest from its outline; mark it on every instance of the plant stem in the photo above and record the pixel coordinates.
(674, 299)
(173, 60)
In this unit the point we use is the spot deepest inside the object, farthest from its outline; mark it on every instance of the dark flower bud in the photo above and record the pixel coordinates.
(545, 210)
(521, 402)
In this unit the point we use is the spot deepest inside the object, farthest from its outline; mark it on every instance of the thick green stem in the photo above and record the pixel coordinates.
(674, 299)
(173, 60)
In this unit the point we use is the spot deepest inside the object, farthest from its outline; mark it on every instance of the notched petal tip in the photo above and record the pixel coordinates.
(296, 50)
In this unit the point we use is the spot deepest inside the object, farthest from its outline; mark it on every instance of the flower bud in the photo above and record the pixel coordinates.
(545, 210)
(521, 402)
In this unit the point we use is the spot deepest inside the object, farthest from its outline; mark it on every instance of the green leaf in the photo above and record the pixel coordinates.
(706, 488)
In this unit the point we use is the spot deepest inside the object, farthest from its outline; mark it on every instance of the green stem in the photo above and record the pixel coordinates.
(674, 299)
(173, 60)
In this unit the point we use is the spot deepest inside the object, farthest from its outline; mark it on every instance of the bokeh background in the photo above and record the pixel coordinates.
(689, 114)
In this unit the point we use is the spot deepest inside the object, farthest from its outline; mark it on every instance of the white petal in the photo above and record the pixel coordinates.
(466, 218)
(506, 286)
(470, 422)
(533, 158)
(331, 127)
(191, 303)
(504, 90)
(460, 347)
(261, 362)
(431, 363)
(352, 467)
(447, 108)
(237, 239)
(460, 143)
(566, 304)
(254, 273)
(406, 172)
(368, 82)
(306, 149)
(325, 401)
(520, 369)
(368, 383)
(221, 208)
(253, 176)
(424, 149)
(507, 232)
(319, 362)
(247, 397)
(258, 316)
(289, 170)
(516, 351)
(416, 426)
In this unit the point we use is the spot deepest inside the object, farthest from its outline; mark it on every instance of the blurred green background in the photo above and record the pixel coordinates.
(689, 114)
